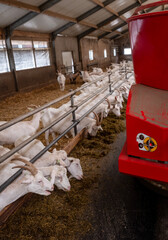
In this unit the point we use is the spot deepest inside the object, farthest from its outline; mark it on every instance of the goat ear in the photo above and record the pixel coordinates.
(26, 181)
(54, 150)
(71, 159)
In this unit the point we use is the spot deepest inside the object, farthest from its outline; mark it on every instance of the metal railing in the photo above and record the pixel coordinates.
(73, 125)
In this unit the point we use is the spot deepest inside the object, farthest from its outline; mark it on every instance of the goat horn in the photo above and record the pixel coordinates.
(109, 105)
(97, 119)
(27, 168)
(33, 105)
(27, 163)
(101, 119)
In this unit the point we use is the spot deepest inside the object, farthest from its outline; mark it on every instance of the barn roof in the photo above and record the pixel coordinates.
(79, 18)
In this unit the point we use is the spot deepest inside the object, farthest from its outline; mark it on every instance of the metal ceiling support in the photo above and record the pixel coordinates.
(11, 58)
(147, 11)
(107, 2)
(113, 29)
(103, 35)
(88, 13)
(93, 10)
(30, 15)
(110, 19)
(83, 16)
(53, 52)
(90, 30)
(63, 28)
(118, 35)
(132, 6)
(106, 21)
(48, 4)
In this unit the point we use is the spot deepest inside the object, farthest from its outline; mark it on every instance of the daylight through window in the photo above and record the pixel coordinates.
(4, 63)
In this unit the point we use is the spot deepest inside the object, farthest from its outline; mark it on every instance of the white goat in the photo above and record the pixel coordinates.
(31, 180)
(74, 167)
(47, 159)
(51, 114)
(24, 128)
(61, 80)
(56, 157)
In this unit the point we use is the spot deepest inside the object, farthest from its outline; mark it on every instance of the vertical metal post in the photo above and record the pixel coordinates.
(110, 84)
(53, 52)
(126, 72)
(73, 113)
(34, 54)
(10, 56)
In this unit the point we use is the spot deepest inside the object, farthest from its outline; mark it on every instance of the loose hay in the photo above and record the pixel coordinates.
(62, 215)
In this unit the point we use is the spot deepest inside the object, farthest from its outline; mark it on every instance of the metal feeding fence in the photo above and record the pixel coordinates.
(110, 85)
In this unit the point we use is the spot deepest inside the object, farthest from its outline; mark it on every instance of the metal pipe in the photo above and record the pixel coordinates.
(16, 149)
(73, 114)
(97, 104)
(18, 119)
(18, 173)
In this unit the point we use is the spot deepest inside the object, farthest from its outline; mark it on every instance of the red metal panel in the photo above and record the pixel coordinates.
(147, 114)
(142, 168)
(149, 43)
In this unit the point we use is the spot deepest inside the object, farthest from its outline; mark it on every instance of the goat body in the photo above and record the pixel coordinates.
(61, 80)
(20, 129)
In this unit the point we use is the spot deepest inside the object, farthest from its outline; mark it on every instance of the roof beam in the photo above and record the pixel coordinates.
(18, 4)
(98, 3)
(88, 24)
(18, 33)
(88, 13)
(109, 9)
(119, 35)
(115, 13)
(112, 30)
(30, 15)
(63, 28)
(61, 16)
(110, 19)
(22, 5)
(116, 36)
(83, 16)
(141, 4)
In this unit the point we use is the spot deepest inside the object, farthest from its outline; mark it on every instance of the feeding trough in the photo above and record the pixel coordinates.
(145, 151)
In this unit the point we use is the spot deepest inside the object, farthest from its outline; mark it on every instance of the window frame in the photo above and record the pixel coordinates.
(4, 49)
(129, 53)
(105, 53)
(91, 53)
(34, 50)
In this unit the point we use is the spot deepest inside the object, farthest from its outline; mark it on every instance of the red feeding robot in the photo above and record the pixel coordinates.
(145, 153)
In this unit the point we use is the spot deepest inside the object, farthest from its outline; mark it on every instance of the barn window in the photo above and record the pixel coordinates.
(114, 52)
(127, 51)
(23, 54)
(4, 63)
(105, 53)
(42, 57)
(90, 55)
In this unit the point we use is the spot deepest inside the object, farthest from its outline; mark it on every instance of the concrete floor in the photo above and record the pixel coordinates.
(124, 209)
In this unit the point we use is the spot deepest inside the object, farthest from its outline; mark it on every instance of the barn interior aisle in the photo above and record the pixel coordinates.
(66, 211)
(83, 120)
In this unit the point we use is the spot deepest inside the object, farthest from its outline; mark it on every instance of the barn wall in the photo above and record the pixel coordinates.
(66, 44)
(7, 84)
(104, 44)
(36, 77)
(98, 47)
(122, 43)
(114, 59)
